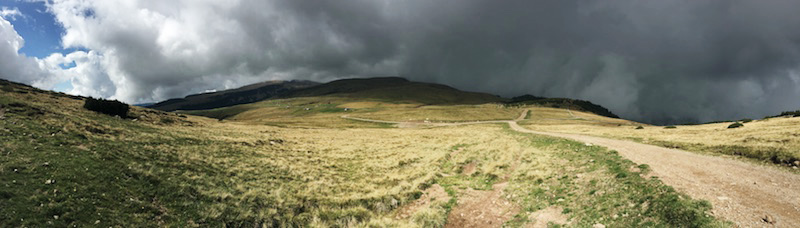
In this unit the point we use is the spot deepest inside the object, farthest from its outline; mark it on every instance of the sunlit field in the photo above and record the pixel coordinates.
(63, 165)
(326, 112)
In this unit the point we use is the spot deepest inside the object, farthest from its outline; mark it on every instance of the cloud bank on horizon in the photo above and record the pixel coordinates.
(656, 61)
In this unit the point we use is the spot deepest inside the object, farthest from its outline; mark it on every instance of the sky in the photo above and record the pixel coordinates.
(666, 61)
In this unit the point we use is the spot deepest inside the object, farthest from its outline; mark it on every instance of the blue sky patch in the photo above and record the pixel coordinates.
(39, 29)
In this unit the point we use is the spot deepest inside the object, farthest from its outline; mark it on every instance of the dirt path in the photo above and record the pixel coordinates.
(478, 208)
(747, 194)
(743, 193)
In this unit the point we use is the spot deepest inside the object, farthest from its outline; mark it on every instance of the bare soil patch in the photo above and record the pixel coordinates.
(542, 217)
(482, 208)
(469, 169)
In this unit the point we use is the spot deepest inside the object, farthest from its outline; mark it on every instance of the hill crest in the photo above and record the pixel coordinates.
(242, 95)
(396, 89)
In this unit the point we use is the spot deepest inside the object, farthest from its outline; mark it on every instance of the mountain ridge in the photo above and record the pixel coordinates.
(392, 89)
(242, 95)
(396, 89)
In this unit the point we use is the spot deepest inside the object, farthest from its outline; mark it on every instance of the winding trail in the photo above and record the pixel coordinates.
(746, 194)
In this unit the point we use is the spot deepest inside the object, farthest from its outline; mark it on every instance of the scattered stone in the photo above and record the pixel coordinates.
(598, 225)
(796, 163)
(723, 198)
(589, 144)
(49, 181)
(46, 164)
(768, 219)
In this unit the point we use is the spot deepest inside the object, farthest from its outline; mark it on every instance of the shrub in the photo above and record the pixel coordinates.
(736, 125)
(639, 127)
(747, 120)
(787, 113)
(670, 127)
(791, 113)
(108, 107)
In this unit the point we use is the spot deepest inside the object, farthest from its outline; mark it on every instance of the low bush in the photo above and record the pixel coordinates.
(108, 107)
(787, 113)
(639, 128)
(791, 113)
(746, 120)
(670, 127)
(736, 125)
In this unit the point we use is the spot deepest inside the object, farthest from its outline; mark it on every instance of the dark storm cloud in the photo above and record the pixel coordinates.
(658, 61)
(662, 61)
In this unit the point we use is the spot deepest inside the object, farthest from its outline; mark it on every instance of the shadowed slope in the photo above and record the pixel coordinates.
(247, 94)
(395, 89)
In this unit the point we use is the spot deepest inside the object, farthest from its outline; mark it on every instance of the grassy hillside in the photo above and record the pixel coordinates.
(385, 89)
(326, 112)
(564, 103)
(390, 98)
(61, 165)
(546, 116)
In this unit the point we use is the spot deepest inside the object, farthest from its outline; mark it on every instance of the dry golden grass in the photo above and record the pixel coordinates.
(450, 113)
(324, 112)
(366, 172)
(550, 113)
(556, 116)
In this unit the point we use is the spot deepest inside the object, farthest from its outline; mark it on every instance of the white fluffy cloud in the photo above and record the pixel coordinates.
(153, 50)
(10, 13)
(16, 66)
